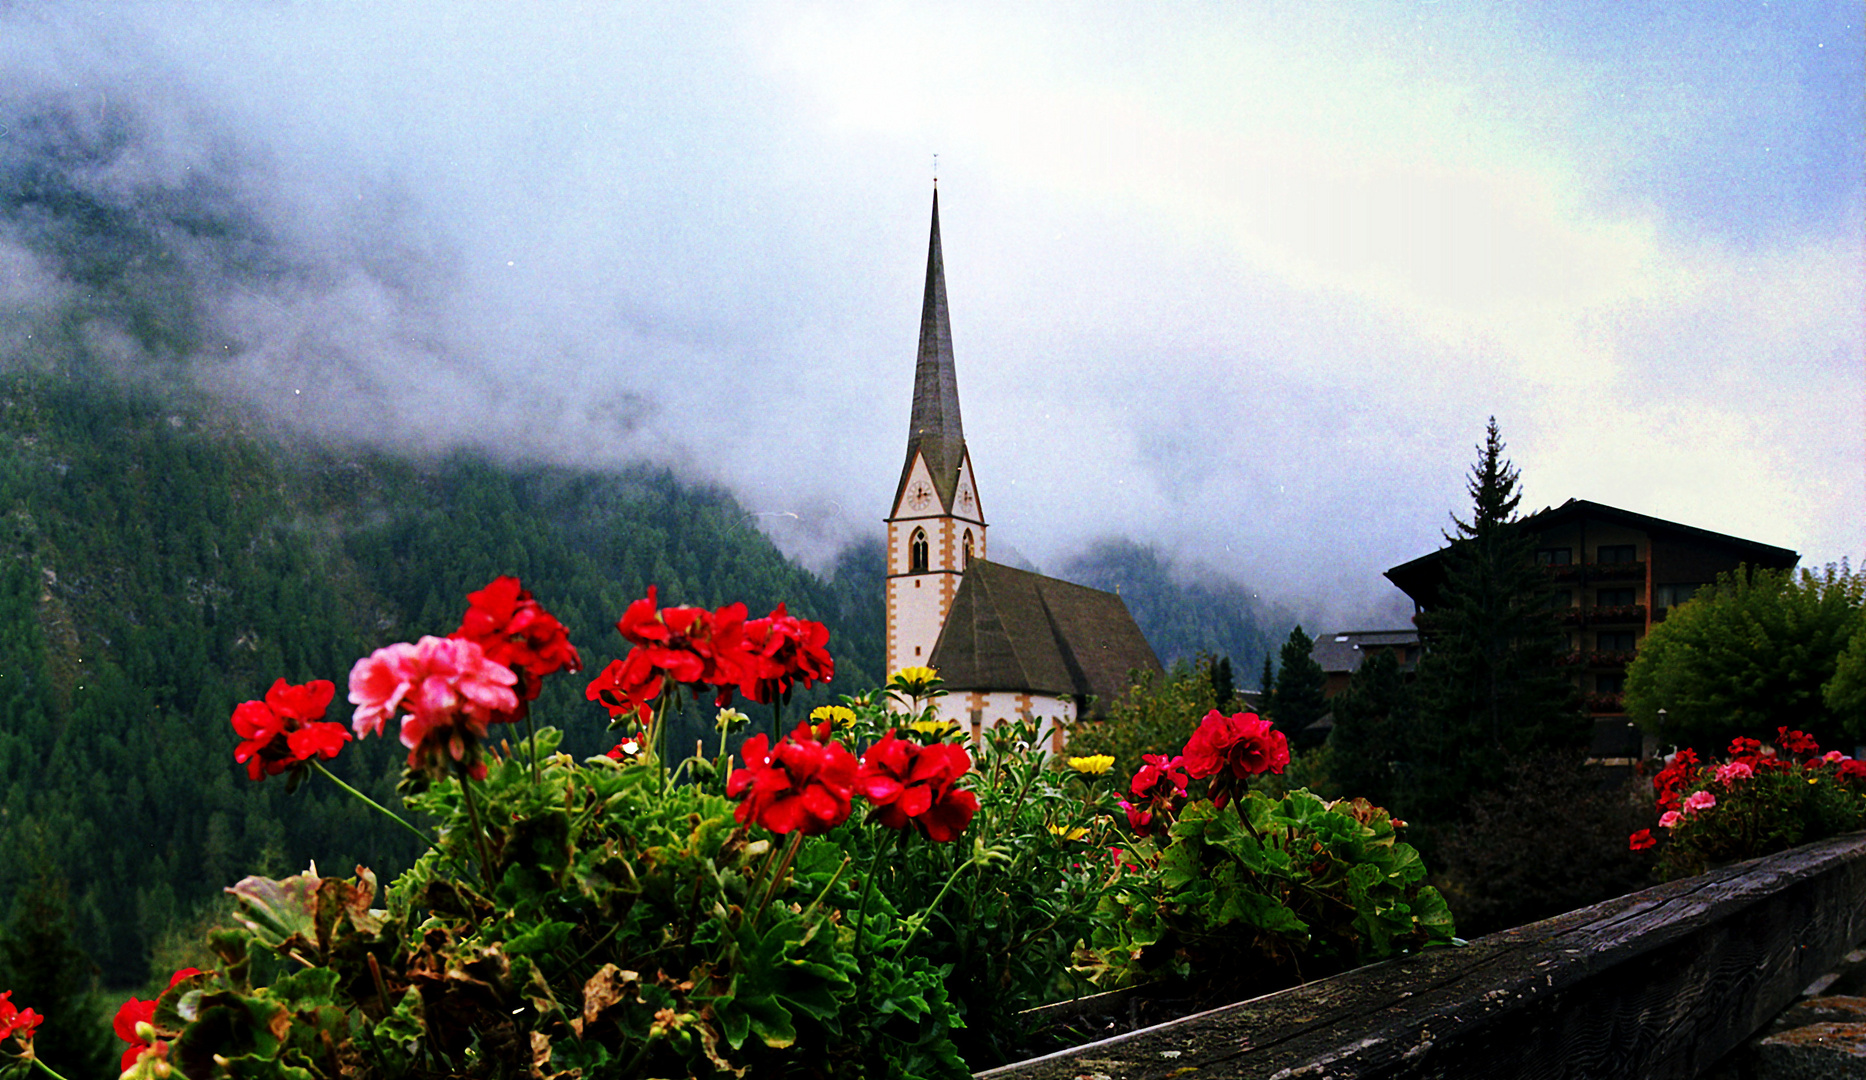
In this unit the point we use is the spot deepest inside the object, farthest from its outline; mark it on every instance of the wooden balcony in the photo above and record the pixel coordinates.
(1623, 571)
(1659, 984)
(1604, 615)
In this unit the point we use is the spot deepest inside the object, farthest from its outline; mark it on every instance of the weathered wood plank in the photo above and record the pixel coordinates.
(1656, 984)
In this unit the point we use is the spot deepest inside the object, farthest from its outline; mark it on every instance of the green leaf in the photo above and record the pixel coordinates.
(278, 911)
(545, 937)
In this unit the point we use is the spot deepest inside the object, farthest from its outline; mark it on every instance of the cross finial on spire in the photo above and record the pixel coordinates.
(936, 170)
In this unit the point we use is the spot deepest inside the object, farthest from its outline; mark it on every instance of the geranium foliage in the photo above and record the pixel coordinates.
(1239, 893)
(863, 897)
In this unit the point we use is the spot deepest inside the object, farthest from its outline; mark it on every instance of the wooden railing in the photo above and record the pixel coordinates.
(1656, 984)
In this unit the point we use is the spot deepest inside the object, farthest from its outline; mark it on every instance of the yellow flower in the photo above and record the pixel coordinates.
(837, 715)
(1077, 833)
(1093, 765)
(933, 727)
(914, 680)
(731, 719)
(1813, 780)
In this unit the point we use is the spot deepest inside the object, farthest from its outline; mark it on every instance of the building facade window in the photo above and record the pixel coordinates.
(1616, 597)
(968, 550)
(1554, 556)
(1673, 595)
(1617, 553)
(1615, 640)
(917, 552)
(1614, 683)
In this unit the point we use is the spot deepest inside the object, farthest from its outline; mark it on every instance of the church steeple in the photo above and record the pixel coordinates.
(936, 527)
(935, 431)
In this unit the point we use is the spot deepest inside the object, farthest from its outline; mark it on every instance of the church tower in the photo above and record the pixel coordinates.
(936, 528)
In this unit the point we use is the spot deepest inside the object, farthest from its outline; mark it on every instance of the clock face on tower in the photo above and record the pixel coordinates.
(919, 496)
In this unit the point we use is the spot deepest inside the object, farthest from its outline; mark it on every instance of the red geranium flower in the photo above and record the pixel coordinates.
(1641, 840)
(1139, 819)
(780, 650)
(1160, 785)
(800, 785)
(513, 629)
(133, 1013)
(1796, 742)
(1852, 769)
(1158, 769)
(15, 1021)
(685, 644)
(1680, 772)
(911, 783)
(1232, 748)
(286, 729)
(446, 690)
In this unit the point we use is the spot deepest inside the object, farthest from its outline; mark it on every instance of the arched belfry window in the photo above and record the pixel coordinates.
(917, 552)
(968, 551)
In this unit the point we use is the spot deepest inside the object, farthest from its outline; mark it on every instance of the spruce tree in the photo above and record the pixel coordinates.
(1223, 686)
(1488, 689)
(47, 972)
(1299, 682)
(1370, 718)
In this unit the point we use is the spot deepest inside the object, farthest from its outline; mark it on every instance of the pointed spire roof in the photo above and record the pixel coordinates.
(935, 431)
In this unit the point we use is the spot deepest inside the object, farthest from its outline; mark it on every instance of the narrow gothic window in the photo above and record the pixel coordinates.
(968, 550)
(917, 552)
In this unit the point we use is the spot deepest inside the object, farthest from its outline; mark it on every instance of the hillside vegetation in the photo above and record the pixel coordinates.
(159, 565)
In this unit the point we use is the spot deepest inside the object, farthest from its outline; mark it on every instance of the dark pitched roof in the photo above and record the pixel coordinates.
(934, 430)
(1345, 651)
(1013, 630)
(1420, 578)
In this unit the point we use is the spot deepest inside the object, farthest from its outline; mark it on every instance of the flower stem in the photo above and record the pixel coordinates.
(657, 737)
(914, 925)
(531, 745)
(399, 819)
(479, 831)
(833, 878)
(777, 878)
(868, 890)
(49, 1071)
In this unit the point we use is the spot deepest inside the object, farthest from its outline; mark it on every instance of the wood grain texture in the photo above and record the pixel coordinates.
(1656, 984)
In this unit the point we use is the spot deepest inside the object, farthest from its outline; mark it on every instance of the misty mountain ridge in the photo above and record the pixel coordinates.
(146, 238)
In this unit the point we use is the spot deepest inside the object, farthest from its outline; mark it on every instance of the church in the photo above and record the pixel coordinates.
(1008, 643)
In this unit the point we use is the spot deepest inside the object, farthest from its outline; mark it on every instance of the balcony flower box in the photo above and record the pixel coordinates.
(1611, 658)
(1606, 703)
(1617, 613)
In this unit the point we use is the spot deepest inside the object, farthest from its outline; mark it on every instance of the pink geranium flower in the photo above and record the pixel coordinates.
(1699, 800)
(1730, 773)
(446, 690)
(1670, 819)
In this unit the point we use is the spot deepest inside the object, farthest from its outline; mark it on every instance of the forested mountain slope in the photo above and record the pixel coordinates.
(1184, 613)
(160, 564)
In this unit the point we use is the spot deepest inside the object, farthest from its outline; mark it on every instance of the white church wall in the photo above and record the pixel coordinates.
(915, 614)
(976, 711)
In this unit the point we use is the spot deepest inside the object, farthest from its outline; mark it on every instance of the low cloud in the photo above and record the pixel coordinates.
(1243, 285)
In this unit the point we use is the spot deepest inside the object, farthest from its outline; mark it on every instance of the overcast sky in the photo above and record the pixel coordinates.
(1242, 280)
